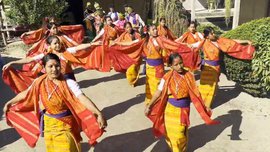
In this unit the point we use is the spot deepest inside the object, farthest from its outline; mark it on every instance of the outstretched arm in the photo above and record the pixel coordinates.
(16, 99)
(243, 41)
(21, 61)
(73, 50)
(99, 35)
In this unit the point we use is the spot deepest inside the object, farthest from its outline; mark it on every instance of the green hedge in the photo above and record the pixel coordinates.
(253, 76)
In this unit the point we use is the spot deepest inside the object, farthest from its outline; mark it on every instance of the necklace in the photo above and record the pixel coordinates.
(47, 90)
(176, 82)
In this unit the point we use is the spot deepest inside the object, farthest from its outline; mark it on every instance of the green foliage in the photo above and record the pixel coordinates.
(217, 30)
(31, 12)
(228, 11)
(252, 75)
(173, 12)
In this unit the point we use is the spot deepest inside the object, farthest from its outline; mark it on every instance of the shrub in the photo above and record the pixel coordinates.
(31, 12)
(253, 75)
(217, 30)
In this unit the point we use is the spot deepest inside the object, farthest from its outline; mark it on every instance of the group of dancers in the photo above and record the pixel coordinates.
(49, 101)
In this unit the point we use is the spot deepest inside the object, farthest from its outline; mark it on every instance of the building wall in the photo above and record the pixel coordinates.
(253, 9)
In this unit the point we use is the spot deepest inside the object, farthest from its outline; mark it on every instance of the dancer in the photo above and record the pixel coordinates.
(56, 107)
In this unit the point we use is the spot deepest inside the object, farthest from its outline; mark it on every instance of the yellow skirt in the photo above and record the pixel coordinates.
(58, 136)
(151, 84)
(132, 74)
(208, 84)
(176, 134)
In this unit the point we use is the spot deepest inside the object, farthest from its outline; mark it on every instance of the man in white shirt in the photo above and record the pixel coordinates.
(113, 14)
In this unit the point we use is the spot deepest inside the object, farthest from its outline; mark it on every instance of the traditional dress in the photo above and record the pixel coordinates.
(170, 114)
(132, 72)
(154, 61)
(211, 63)
(165, 31)
(190, 38)
(57, 109)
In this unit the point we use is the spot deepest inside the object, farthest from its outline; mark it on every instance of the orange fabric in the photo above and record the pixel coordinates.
(123, 57)
(188, 55)
(157, 113)
(127, 37)
(24, 116)
(189, 38)
(33, 36)
(162, 31)
(176, 90)
(18, 80)
(235, 49)
(75, 32)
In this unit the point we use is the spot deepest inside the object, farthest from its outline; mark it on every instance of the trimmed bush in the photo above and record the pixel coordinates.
(253, 75)
(217, 30)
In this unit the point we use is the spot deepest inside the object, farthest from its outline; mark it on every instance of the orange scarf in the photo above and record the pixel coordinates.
(24, 116)
(166, 32)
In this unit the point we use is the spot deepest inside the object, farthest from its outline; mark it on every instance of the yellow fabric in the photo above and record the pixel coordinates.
(176, 134)
(58, 136)
(152, 83)
(208, 84)
(132, 74)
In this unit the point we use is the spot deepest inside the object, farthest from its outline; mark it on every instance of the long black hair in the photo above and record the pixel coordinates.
(50, 56)
(172, 57)
(207, 31)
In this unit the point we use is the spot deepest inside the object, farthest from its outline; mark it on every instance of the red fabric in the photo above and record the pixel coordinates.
(33, 36)
(235, 49)
(24, 116)
(18, 80)
(75, 32)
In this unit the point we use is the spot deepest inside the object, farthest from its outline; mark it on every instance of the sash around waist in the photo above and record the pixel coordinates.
(154, 62)
(211, 62)
(182, 103)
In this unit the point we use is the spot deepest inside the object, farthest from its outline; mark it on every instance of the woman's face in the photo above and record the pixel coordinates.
(53, 69)
(128, 28)
(162, 23)
(55, 45)
(54, 30)
(212, 36)
(192, 28)
(153, 31)
(109, 21)
(178, 65)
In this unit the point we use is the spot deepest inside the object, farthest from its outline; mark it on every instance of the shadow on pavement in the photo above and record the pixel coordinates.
(92, 82)
(136, 141)
(202, 134)
(225, 94)
(7, 137)
(112, 111)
